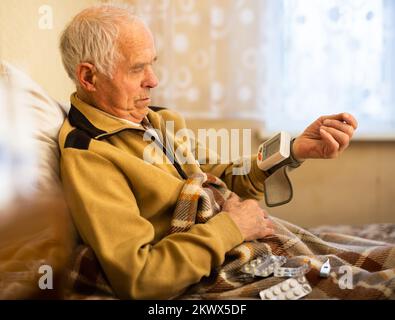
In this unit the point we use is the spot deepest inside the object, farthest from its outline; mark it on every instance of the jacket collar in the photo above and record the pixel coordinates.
(98, 124)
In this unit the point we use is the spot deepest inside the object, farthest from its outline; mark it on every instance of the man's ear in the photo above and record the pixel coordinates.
(86, 75)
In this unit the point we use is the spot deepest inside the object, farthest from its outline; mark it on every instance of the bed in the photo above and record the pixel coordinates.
(41, 233)
(38, 231)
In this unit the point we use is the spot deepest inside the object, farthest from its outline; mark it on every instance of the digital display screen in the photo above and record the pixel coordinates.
(272, 147)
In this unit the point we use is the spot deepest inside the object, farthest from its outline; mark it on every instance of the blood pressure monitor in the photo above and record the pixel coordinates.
(276, 158)
(274, 151)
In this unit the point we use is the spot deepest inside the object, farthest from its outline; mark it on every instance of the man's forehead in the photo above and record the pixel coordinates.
(139, 53)
(135, 30)
(136, 39)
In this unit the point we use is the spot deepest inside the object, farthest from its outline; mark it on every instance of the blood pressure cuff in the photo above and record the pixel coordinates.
(278, 188)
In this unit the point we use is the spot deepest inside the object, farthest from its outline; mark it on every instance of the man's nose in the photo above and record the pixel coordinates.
(150, 79)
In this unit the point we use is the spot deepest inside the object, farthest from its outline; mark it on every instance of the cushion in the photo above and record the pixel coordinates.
(36, 242)
(48, 116)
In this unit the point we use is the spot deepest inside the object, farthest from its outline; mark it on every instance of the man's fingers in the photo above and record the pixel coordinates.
(343, 117)
(269, 224)
(341, 138)
(265, 214)
(346, 128)
(267, 232)
(331, 142)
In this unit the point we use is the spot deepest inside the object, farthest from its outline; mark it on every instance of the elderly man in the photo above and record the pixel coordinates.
(122, 205)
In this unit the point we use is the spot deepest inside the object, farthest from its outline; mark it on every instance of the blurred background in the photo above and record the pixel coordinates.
(265, 65)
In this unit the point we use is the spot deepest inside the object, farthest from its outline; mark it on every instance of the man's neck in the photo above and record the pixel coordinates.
(86, 100)
(82, 96)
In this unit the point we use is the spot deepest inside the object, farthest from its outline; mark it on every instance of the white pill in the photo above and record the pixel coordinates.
(297, 291)
(277, 290)
(290, 295)
(307, 288)
(284, 286)
(268, 295)
(293, 283)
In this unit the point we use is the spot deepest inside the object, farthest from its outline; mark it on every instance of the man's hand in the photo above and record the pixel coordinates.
(325, 138)
(251, 219)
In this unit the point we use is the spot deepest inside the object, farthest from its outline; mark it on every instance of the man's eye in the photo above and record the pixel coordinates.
(137, 69)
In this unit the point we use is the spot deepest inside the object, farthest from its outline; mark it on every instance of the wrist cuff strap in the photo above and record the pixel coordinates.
(278, 187)
(290, 161)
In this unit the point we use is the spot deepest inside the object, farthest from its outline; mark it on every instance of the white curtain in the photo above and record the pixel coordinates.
(329, 56)
(283, 62)
(209, 53)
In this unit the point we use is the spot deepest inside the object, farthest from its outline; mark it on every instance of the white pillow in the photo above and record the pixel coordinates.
(48, 116)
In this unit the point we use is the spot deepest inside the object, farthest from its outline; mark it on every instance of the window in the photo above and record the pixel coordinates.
(329, 56)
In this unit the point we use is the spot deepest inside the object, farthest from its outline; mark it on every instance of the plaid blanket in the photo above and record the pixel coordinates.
(368, 265)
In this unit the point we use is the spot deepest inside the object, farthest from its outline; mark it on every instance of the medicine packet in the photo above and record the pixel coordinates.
(290, 289)
(263, 266)
(290, 272)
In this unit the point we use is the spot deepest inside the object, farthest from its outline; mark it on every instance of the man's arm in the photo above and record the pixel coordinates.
(325, 138)
(107, 217)
(248, 185)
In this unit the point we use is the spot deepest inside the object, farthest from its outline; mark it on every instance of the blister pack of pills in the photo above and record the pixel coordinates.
(263, 266)
(293, 272)
(290, 289)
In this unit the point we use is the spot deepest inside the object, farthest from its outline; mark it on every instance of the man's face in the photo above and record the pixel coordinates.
(127, 94)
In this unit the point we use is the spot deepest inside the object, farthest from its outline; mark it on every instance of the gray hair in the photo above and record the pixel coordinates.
(92, 37)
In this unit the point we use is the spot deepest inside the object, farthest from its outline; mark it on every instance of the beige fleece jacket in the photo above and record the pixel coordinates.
(122, 205)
